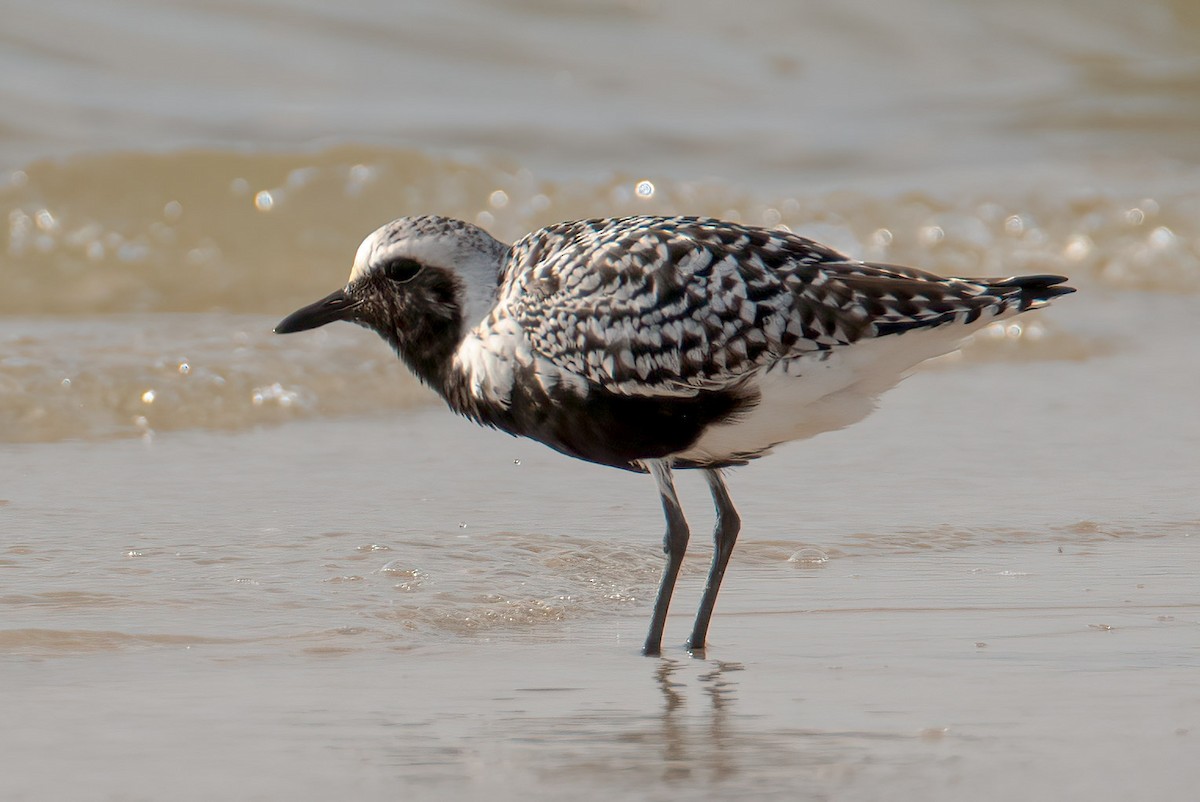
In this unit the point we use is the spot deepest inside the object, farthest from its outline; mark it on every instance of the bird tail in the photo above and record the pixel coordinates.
(1029, 292)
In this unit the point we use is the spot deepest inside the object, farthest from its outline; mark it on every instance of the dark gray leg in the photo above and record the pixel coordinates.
(674, 544)
(724, 536)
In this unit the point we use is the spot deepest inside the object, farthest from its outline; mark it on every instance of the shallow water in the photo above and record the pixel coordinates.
(296, 611)
(253, 566)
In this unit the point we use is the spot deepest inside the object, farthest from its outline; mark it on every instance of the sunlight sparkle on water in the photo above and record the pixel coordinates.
(1161, 237)
(276, 393)
(931, 235)
(1078, 247)
(809, 558)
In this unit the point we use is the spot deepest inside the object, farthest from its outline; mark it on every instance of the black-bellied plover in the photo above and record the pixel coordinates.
(654, 343)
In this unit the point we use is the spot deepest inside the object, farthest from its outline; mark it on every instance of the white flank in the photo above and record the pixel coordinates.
(823, 391)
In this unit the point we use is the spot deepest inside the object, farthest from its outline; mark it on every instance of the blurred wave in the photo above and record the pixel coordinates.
(91, 378)
(161, 207)
(141, 289)
(772, 94)
(223, 231)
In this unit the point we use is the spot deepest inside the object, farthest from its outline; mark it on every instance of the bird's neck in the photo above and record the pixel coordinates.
(471, 380)
(427, 348)
(482, 375)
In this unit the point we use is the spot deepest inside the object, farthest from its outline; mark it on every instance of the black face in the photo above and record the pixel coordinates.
(413, 306)
(346, 303)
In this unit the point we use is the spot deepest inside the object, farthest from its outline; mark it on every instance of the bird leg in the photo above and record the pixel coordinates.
(724, 537)
(674, 544)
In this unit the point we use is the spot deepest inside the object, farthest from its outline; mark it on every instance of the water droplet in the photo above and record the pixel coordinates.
(239, 186)
(1013, 224)
(931, 235)
(1078, 247)
(301, 176)
(809, 557)
(1161, 237)
(644, 189)
(398, 568)
(133, 553)
(264, 201)
(46, 221)
(173, 210)
(994, 331)
(516, 462)
(185, 368)
(277, 393)
(462, 525)
(498, 199)
(133, 252)
(148, 397)
(66, 383)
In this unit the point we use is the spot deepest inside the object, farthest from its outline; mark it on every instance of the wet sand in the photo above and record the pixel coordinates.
(952, 600)
(974, 689)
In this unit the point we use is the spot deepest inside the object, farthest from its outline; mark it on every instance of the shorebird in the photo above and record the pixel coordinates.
(655, 343)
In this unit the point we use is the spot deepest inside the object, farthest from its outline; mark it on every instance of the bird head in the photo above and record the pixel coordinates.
(414, 279)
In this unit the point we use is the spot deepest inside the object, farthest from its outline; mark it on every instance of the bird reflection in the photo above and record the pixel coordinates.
(686, 747)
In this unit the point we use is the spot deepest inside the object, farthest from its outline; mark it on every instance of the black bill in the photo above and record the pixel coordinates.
(335, 306)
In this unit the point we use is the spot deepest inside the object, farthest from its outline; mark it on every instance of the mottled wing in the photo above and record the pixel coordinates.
(672, 306)
(653, 306)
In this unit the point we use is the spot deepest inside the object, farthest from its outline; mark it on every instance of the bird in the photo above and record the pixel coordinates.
(658, 343)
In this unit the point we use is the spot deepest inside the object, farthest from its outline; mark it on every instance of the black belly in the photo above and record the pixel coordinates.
(612, 429)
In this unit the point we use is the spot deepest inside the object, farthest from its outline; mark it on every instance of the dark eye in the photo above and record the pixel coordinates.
(402, 270)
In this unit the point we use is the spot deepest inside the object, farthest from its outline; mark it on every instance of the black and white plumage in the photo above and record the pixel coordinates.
(652, 343)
